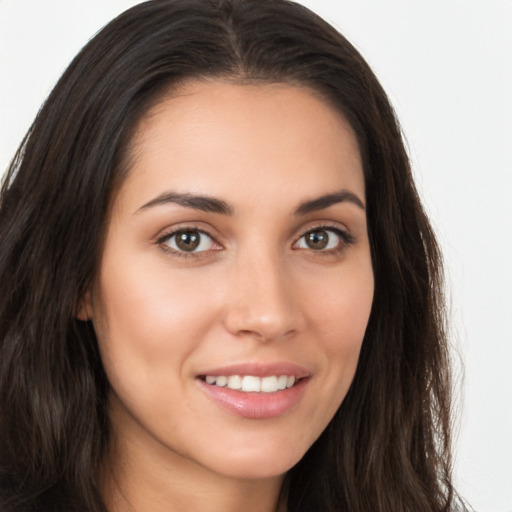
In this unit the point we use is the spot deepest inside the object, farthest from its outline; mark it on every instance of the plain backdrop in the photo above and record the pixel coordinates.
(447, 67)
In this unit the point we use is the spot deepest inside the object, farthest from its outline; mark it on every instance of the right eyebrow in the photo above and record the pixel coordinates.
(203, 203)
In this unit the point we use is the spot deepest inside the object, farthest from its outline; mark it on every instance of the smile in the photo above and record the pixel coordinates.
(251, 383)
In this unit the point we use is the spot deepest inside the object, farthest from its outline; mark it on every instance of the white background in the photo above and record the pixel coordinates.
(447, 66)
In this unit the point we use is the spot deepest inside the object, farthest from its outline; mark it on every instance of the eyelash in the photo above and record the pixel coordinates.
(162, 242)
(346, 240)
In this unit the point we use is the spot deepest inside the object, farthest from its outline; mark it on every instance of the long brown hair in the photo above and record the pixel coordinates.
(388, 446)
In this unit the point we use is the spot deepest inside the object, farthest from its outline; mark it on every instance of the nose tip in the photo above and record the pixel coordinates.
(262, 305)
(263, 327)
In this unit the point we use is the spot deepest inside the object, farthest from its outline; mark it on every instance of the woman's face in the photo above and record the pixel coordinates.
(236, 255)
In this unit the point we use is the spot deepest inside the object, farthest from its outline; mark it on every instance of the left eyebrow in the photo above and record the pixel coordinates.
(328, 200)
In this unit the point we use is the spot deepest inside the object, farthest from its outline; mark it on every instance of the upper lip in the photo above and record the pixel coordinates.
(259, 369)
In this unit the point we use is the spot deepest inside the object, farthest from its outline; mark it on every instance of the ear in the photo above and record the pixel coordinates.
(84, 312)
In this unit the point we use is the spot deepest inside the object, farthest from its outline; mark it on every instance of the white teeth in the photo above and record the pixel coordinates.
(269, 384)
(235, 382)
(281, 382)
(221, 381)
(251, 384)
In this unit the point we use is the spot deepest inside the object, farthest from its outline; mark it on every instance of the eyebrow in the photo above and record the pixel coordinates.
(213, 205)
(203, 203)
(328, 200)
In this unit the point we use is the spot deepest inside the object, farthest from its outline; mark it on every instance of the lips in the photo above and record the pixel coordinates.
(256, 391)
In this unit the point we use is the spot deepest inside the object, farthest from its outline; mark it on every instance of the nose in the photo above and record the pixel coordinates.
(263, 303)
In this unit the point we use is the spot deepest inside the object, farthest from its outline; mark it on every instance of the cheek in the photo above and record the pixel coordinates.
(340, 309)
(340, 313)
(146, 319)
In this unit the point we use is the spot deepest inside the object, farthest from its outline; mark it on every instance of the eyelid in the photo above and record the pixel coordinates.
(340, 230)
(168, 233)
(325, 225)
(346, 236)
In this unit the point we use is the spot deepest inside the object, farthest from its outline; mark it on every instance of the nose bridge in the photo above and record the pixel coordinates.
(262, 302)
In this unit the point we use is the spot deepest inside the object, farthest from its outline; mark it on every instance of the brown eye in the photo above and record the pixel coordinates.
(190, 240)
(317, 240)
(322, 239)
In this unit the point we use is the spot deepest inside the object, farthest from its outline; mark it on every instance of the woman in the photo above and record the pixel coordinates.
(220, 290)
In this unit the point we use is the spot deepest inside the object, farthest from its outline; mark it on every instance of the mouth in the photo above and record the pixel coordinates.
(256, 391)
(252, 383)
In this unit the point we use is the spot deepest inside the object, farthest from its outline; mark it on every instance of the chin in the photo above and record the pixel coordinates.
(257, 461)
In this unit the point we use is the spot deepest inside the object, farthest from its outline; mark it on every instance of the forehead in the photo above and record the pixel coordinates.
(218, 138)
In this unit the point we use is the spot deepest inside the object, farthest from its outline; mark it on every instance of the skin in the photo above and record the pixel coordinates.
(254, 292)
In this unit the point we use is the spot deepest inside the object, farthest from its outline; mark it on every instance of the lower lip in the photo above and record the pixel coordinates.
(256, 405)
